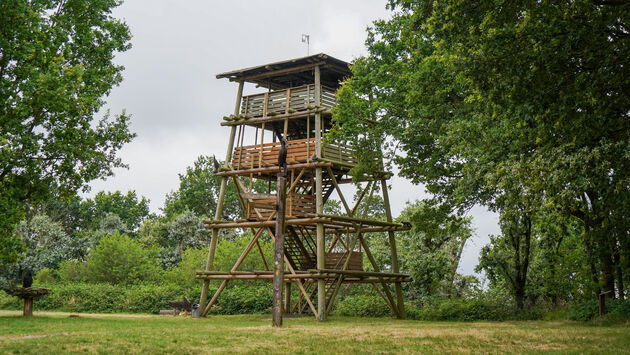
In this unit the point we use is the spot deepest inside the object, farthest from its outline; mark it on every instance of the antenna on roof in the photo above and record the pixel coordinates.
(306, 39)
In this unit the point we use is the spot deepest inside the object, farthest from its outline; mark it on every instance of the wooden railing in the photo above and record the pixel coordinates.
(297, 205)
(298, 151)
(296, 99)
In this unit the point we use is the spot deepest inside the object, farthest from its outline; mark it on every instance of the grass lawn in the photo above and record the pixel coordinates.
(52, 332)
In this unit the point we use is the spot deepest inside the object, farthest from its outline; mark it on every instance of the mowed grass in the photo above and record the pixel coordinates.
(51, 332)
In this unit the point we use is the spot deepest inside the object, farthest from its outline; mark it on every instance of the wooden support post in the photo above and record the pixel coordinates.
(392, 243)
(234, 268)
(299, 284)
(287, 298)
(278, 262)
(28, 307)
(319, 200)
(219, 210)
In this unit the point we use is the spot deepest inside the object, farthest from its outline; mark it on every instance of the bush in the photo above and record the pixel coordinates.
(438, 310)
(588, 310)
(183, 274)
(245, 298)
(584, 311)
(151, 298)
(144, 298)
(104, 298)
(46, 276)
(118, 259)
(10, 302)
(618, 309)
(363, 306)
(72, 271)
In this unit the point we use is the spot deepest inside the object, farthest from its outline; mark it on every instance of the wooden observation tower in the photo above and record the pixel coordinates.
(321, 251)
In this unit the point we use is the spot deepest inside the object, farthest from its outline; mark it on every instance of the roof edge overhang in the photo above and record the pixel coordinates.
(260, 74)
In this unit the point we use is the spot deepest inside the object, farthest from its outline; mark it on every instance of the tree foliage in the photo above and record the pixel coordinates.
(118, 259)
(46, 245)
(514, 105)
(56, 65)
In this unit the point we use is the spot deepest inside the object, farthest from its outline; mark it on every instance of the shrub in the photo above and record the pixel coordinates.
(588, 310)
(46, 276)
(9, 302)
(183, 275)
(72, 271)
(618, 309)
(363, 306)
(584, 311)
(245, 298)
(118, 259)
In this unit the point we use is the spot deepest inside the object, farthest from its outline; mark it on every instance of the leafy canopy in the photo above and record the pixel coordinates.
(56, 67)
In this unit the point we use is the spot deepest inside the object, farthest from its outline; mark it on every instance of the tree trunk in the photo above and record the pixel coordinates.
(588, 243)
(28, 307)
(608, 271)
(619, 275)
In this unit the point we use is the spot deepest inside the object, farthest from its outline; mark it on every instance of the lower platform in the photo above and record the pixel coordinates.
(349, 276)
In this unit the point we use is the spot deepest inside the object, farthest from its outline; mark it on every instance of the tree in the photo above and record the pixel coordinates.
(46, 244)
(56, 65)
(430, 251)
(477, 94)
(127, 207)
(118, 259)
(186, 230)
(199, 191)
(507, 257)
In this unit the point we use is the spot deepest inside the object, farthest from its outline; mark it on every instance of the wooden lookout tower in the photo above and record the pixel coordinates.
(322, 252)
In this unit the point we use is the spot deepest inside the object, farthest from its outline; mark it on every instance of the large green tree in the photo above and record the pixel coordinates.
(199, 191)
(430, 252)
(487, 94)
(56, 67)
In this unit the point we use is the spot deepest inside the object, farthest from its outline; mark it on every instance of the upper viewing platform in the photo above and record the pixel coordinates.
(296, 106)
(292, 90)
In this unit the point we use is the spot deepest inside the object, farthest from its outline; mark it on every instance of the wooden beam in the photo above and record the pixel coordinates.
(278, 263)
(219, 208)
(300, 286)
(271, 169)
(252, 121)
(272, 73)
(357, 273)
(256, 224)
(358, 220)
(234, 268)
(389, 300)
(394, 253)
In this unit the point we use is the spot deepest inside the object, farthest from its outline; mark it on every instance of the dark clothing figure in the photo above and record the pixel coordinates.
(27, 281)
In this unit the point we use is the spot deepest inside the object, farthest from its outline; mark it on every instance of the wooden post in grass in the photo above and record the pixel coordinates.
(278, 262)
(28, 294)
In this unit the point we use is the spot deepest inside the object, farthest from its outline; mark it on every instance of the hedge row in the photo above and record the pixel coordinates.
(615, 309)
(445, 310)
(106, 298)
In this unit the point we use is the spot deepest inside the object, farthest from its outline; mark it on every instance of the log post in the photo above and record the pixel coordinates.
(392, 243)
(219, 210)
(287, 298)
(319, 203)
(28, 307)
(278, 262)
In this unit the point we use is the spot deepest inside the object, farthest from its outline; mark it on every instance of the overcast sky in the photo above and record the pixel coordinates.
(177, 104)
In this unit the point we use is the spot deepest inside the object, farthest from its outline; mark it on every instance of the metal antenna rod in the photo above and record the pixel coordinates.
(306, 39)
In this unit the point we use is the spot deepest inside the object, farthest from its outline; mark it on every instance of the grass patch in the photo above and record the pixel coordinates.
(51, 332)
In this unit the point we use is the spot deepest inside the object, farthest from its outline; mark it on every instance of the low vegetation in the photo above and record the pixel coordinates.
(57, 333)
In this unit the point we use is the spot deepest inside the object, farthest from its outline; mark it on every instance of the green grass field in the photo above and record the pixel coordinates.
(51, 332)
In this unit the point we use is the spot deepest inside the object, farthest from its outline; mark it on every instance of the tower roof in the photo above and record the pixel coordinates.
(292, 72)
